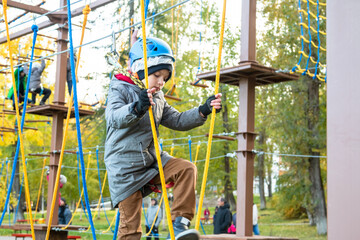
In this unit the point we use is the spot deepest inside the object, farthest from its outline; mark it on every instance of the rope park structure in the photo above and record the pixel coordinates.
(246, 76)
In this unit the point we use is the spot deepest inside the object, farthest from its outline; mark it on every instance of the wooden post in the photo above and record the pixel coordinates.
(246, 125)
(58, 118)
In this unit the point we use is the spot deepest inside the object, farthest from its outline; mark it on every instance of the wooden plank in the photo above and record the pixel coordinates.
(172, 98)
(26, 7)
(74, 13)
(222, 137)
(42, 35)
(36, 121)
(44, 49)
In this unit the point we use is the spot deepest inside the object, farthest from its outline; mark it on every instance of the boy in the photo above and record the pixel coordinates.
(129, 148)
(35, 82)
(151, 214)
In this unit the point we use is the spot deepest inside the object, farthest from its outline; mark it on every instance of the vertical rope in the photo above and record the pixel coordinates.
(153, 129)
(86, 11)
(212, 123)
(20, 138)
(77, 119)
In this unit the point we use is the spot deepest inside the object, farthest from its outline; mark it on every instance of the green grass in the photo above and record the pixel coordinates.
(271, 223)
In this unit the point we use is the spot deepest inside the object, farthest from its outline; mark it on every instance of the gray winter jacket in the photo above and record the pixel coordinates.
(35, 75)
(129, 148)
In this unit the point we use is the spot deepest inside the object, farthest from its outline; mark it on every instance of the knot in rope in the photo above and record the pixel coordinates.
(34, 28)
(86, 9)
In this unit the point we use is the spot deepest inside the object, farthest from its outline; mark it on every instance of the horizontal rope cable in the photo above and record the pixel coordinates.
(101, 38)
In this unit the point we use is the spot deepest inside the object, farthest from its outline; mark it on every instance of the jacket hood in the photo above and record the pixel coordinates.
(226, 205)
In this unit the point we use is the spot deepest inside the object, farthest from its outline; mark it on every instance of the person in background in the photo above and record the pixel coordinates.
(19, 74)
(223, 217)
(68, 72)
(64, 212)
(35, 82)
(206, 215)
(151, 214)
(255, 220)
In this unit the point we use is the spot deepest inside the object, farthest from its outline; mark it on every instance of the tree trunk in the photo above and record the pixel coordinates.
(16, 189)
(261, 172)
(316, 188)
(269, 182)
(228, 191)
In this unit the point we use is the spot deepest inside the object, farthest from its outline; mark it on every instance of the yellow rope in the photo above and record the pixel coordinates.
(314, 3)
(27, 193)
(98, 205)
(312, 43)
(157, 213)
(312, 59)
(81, 195)
(86, 11)
(172, 149)
(312, 14)
(197, 153)
(217, 81)
(312, 29)
(153, 128)
(40, 185)
(112, 222)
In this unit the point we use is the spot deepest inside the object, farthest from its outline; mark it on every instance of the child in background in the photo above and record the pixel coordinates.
(129, 147)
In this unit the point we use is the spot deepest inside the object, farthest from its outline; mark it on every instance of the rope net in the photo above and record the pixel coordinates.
(313, 40)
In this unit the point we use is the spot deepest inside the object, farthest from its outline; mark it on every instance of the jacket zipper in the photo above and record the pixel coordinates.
(142, 154)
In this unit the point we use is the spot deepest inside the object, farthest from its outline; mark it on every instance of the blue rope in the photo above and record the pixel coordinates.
(35, 30)
(302, 40)
(309, 32)
(100, 187)
(190, 149)
(146, 7)
(318, 37)
(79, 188)
(202, 227)
(21, 186)
(116, 225)
(77, 117)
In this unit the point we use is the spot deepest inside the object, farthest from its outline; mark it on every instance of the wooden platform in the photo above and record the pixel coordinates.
(48, 110)
(27, 227)
(234, 237)
(264, 75)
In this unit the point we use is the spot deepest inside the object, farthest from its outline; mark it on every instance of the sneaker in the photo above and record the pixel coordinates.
(42, 103)
(181, 230)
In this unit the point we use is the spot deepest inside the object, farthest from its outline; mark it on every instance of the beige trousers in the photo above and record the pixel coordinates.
(180, 171)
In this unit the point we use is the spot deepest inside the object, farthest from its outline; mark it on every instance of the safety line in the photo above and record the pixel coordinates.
(86, 11)
(80, 198)
(41, 180)
(156, 215)
(20, 137)
(153, 128)
(101, 192)
(101, 38)
(43, 15)
(212, 123)
(77, 119)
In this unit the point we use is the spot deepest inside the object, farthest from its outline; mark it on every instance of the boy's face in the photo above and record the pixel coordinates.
(157, 79)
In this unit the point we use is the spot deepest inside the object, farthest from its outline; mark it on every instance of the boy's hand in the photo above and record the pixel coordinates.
(212, 101)
(145, 100)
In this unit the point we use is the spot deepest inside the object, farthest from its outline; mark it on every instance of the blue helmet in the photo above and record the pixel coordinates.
(155, 47)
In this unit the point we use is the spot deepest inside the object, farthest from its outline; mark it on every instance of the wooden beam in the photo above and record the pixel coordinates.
(44, 49)
(23, 14)
(42, 35)
(26, 7)
(74, 13)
